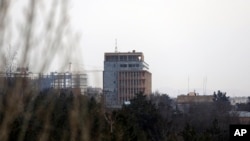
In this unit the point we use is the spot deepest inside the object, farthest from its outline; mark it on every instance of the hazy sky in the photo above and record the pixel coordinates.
(179, 39)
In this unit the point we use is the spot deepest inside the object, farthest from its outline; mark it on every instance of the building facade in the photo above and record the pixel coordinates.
(74, 81)
(238, 100)
(124, 75)
(183, 102)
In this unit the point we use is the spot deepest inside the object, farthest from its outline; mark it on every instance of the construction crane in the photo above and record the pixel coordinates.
(84, 70)
(92, 71)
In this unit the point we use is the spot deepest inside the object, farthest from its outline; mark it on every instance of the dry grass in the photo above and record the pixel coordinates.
(38, 36)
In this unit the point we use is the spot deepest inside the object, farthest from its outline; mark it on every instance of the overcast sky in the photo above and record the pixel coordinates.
(179, 39)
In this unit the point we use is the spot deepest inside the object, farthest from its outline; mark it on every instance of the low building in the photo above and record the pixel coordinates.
(95, 93)
(21, 78)
(238, 100)
(185, 101)
(243, 116)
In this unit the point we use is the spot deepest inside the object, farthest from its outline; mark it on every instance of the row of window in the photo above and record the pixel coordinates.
(129, 65)
(127, 94)
(131, 74)
(124, 83)
(124, 91)
(131, 82)
(123, 58)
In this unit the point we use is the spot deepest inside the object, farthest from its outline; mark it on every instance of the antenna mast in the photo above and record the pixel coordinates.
(70, 66)
(205, 85)
(116, 50)
(188, 83)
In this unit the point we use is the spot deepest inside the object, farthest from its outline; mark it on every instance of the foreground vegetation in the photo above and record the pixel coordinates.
(54, 116)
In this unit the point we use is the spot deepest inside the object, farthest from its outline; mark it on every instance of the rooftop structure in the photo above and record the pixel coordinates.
(189, 99)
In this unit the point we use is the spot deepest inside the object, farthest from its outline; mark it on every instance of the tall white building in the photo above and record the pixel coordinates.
(124, 75)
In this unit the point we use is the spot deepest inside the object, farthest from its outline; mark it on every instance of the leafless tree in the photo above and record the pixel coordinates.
(41, 32)
(9, 61)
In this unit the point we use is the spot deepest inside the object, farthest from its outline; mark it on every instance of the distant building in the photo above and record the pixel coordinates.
(77, 82)
(124, 75)
(243, 116)
(95, 93)
(21, 77)
(22, 72)
(19, 72)
(238, 100)
(184, 101)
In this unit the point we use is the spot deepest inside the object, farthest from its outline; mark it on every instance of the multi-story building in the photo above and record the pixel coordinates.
(73, 81)
(124, 75)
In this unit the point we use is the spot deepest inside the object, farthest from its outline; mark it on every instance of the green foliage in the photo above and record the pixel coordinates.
(51, 116)
(222, 103)
(220, 97)
(55, 116)
(189, 133)
(139, 121)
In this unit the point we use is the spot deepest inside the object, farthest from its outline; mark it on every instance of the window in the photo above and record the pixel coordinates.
(108, 58)
(123, 58)
(133, 65)
(123, 65)
(111, 58)
(114, 58)
(132, 58)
